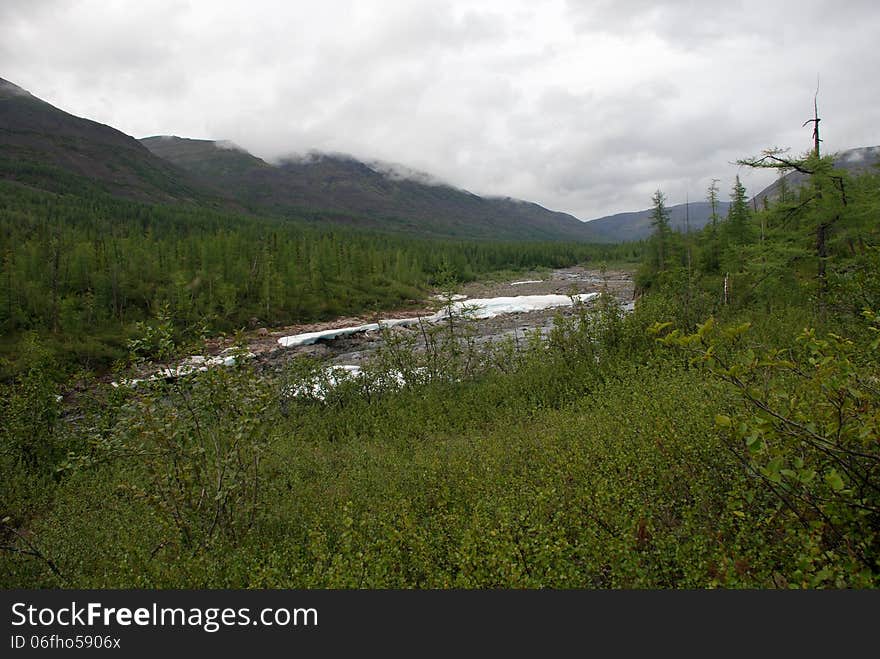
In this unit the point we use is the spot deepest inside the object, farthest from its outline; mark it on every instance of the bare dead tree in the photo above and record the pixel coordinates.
(824, 226)
(776, 158)
(815, 121)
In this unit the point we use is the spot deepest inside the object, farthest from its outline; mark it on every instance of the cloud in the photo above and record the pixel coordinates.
(582, 107)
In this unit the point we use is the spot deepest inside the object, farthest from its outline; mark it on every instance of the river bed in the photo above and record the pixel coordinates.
(503, 308)
(499, 308)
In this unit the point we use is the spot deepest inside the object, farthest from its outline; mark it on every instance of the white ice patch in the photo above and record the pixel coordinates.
(332, 376)
(527, 281)
(477, 308)
(308, 338)
(190, 365)
(319, 386)
(498, 306)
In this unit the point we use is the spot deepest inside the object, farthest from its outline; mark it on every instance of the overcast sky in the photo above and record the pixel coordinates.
(585, 107)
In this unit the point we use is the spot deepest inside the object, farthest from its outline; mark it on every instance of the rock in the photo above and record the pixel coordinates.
(315, 350)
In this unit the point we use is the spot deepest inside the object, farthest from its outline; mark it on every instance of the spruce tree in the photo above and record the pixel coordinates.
(660, 222)
(711, 259)
(739, 215)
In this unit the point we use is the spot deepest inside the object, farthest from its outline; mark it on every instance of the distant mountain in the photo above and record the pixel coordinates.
(379, 195)
(623, 227)
(860, 159)
(44, 146)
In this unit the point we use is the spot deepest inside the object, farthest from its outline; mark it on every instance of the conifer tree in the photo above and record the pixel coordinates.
(739, 214)
(711, 259)
(660, 222)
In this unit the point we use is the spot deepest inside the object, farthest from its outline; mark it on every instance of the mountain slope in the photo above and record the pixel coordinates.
(636, 225)
(43, 146)
(47, 147)
(344, 189)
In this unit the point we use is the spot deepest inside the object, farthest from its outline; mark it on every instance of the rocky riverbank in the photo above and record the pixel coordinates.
(356, 348)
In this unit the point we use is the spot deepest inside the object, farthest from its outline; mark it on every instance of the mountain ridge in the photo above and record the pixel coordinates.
(372, 192)
(636, 225)
(50, 148)
(39, 141)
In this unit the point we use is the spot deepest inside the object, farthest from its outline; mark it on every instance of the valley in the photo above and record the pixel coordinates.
(218, 371)
(357, 348)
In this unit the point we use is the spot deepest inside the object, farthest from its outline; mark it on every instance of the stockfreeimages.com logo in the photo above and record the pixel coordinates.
(211, 619)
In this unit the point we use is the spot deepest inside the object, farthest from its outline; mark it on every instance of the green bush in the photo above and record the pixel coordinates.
(808, 431)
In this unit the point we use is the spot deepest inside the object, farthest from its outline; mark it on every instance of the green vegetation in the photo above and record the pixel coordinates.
(83, 269)
(724, 434)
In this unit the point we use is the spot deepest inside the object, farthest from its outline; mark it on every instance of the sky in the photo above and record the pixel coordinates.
(584, 107)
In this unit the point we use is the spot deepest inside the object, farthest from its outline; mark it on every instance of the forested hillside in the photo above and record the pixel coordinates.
(98, 234)
(340, 189)
(726, 433)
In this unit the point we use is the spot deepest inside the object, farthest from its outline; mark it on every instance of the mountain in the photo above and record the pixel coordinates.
(636, 225)
(43, 146)
(860, 159)
(377, 195)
